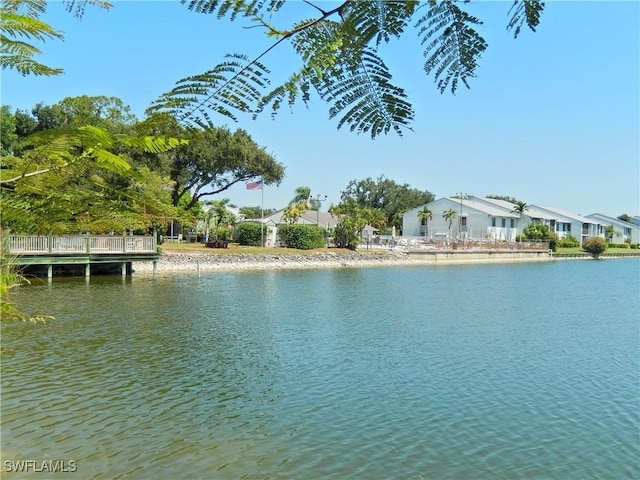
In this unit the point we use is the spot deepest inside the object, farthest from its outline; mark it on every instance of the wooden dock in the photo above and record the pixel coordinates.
(68, 251)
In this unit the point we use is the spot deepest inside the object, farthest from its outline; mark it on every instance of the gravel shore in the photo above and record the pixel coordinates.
(193, 262)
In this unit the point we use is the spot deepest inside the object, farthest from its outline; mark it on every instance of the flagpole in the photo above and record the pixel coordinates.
(262, 212)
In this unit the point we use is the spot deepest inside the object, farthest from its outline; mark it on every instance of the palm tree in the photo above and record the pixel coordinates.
(425, 215)
(520, 208)
(219, 214)
(449, 216)
(302, 194)
(609, 232)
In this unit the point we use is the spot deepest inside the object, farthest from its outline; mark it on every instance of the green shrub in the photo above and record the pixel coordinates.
(619, 245)
(568, 241)
(249, 233)
(302, 237)
(635, 246)
(594, 245)
(540, 232)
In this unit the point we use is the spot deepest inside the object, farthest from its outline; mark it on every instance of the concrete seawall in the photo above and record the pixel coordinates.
(174, 262)
(478, 256)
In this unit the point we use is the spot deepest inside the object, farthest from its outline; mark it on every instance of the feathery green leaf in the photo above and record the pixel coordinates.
(453, 47)
(528, 11)
(378, 20)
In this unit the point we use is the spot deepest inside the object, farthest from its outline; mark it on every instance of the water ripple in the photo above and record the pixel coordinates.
(333, 374)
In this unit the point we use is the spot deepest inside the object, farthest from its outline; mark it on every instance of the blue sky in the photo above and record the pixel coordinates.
(553, 118)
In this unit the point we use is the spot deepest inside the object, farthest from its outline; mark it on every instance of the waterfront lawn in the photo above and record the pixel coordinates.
(234, 248)
(576, 250)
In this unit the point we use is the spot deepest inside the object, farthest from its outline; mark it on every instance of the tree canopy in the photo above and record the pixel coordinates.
(340, 59)
(204, 163)
(215, 159)
(351, 220)
(70, 180)
(387, 196)
(506, 198)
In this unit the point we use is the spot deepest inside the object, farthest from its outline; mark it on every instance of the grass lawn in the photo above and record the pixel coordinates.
(234, 248)
(575, 250)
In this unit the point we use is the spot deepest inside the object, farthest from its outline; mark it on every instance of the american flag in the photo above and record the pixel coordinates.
(254, 185)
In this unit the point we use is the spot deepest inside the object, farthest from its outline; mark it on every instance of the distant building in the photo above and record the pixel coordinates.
(622, 231)
(473, 219)
(488, 218)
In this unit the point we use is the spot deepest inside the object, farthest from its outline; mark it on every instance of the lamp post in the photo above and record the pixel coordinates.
(319, 198)
(461, 196)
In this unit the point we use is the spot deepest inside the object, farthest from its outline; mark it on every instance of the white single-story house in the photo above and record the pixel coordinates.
(310, 217)
(623, 231)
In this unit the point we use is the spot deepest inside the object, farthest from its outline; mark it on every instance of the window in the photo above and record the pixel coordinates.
(493, 221)
(512, 223)
(504, 222)
(464, 220)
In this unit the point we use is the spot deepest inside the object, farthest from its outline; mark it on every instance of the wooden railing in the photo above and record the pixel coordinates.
(80, 244)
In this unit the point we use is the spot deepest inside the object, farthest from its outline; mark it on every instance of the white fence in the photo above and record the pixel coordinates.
(80, 244)
(418, 243)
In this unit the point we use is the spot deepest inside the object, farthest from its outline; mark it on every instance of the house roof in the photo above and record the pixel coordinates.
(500, 203)
(309, 217)
(531, 211)
(476, 204)
(611, 220)
(557, 211)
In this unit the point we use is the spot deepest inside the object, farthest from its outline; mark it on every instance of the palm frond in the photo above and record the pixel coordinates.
(453, 47)
(522, 11)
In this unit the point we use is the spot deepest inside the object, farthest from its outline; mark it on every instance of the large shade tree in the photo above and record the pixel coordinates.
(215, 159)
(386, 195)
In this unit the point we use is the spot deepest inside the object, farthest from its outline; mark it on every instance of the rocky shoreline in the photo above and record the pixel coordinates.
(195, 261)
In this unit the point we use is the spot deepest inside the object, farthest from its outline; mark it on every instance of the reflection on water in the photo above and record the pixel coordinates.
(514, 371)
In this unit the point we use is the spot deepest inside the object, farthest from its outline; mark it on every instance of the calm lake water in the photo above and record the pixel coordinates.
(468, 372)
